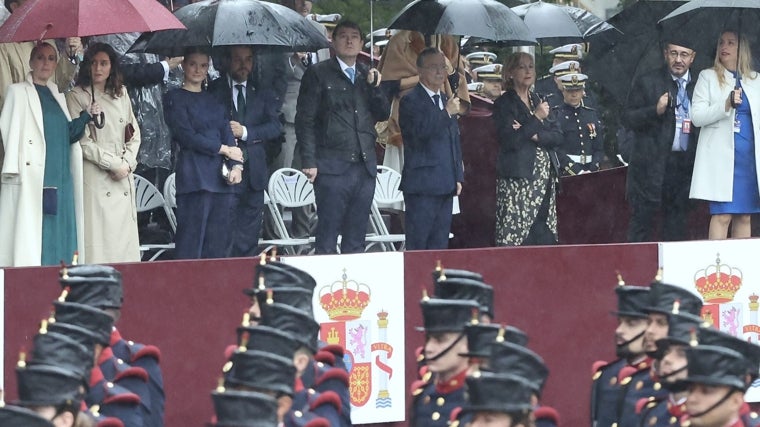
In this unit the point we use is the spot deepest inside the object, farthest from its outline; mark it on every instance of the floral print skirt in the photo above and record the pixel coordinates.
(518, 201)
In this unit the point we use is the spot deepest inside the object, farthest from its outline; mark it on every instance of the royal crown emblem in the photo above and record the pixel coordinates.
(718, 283)
(344, 299)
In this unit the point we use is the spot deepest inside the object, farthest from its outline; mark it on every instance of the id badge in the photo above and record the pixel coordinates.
(686, 128)
(737, 126)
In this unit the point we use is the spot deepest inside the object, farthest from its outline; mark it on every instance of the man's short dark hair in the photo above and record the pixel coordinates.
(8, 4)
(348, 24)
(428, 51)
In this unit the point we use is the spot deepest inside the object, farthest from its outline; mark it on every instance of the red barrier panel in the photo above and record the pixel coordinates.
(561, 296)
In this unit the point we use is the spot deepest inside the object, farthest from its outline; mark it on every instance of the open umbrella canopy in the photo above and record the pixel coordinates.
(235, 22)
(702, 21)
(557, 24)
(487, 19)
(616, 58)
(49, 19)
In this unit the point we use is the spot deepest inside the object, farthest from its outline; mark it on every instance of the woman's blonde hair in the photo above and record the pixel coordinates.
(745, 59)
(510, 64)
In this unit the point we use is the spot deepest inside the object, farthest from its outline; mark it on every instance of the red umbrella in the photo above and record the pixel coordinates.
(50, 19)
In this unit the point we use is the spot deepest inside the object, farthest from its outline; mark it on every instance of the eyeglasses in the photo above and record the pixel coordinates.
(436, 68)
(673, 54)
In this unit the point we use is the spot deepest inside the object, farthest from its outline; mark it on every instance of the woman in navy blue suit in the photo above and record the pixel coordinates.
(199, 124)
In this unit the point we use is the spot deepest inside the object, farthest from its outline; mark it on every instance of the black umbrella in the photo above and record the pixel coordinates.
(616, 58)
(702, 22)
(234, 22)
(557, 24)
(488, 19)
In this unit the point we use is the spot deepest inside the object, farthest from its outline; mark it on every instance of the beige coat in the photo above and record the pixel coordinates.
(713, 177)
(22, 176)
(110, 214)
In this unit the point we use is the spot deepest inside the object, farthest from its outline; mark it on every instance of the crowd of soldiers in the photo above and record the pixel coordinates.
(574, 110)
(672, 369)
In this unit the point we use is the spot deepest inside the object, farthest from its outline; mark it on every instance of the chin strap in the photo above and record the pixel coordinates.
(446, 350)
(622, 349)
(662, 377)
(718, 403)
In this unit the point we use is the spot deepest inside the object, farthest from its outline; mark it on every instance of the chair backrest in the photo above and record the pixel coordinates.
(387, 186)
(170, 196)
(147, 195)
(291, 188)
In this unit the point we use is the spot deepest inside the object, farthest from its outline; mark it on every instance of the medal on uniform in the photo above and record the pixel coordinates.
(591, 130)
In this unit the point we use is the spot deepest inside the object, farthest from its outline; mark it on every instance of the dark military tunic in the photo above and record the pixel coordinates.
(636, 383)
(661, 412)
(582, 137)
(605, 393)
(434, 401)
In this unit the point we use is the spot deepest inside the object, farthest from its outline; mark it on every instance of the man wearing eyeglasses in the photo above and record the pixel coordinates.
(662, 156)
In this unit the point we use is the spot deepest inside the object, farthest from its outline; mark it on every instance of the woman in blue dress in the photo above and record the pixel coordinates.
(200, 128)
(726, 105)
(41, 191)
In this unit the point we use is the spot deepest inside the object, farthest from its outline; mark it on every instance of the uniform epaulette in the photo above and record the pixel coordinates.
(419, 354)
(133, 372)
(123, 398)
(417, 387)
(325, 398)
(625, 374)
(337, 350)
(648, 402)
(229, 351)
(546, 413)
(145, 351)
(109, 422)
(454, 416)
(424, 372)
(317, 422)
(325, 357)
(333, 374)
(596, 367)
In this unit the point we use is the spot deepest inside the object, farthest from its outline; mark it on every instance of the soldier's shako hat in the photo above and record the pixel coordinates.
(244, 409)
(572, 51)
(295, 297)
(261, 371)
(567, 67)
(497, 392)
(631, 301)
(663, 295)
(513, 359)
(750, 351)
(51, 348)
(96, 285)
(93, 319)
(453, 273)
(466, 289)
(77, 333)
(481, 336)
(45, 385)
(267, 339)
(298, 323)
(17, 416)
(717, 366)
(489, 72)
(681, 327)
(477, 59)
(442, 315)
(278, 274)
(573, 81)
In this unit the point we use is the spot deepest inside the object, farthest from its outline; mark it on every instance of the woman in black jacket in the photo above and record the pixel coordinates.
(525, 188)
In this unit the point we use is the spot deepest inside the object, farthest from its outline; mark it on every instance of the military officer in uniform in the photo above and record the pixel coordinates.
(547, 86)
(582, 135)
(490, 76)
(610, 379)
(441, 389)
(498, 400)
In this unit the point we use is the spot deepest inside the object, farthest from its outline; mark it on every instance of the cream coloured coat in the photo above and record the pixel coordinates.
(110, 210)
(22, 176)
(713, 177)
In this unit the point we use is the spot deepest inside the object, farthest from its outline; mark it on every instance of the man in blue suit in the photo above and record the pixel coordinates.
(255, 119)
(433, 169)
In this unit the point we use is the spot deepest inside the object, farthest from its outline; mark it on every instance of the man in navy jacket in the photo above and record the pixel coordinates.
(255, 119)
(433, 169)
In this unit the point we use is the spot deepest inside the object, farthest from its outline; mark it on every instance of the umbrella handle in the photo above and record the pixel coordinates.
(100, 120)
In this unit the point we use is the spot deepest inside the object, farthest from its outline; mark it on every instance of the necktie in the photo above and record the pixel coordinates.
(240, 103)
(683, 112)
(437, 100)
(683, 100)
(351, 73)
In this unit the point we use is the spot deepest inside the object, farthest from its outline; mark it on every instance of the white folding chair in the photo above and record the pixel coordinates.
(387, 193)
(148, 198)
(289, 188)
(170, 196)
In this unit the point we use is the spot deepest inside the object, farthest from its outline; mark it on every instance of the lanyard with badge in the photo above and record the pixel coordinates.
(683, 122)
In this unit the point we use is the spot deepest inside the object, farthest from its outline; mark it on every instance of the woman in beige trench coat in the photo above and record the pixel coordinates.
(110, 157)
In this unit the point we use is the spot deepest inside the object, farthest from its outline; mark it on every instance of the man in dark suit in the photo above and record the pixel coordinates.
(338, 105)
(255, 119)
(662, 159)
(433, 170)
